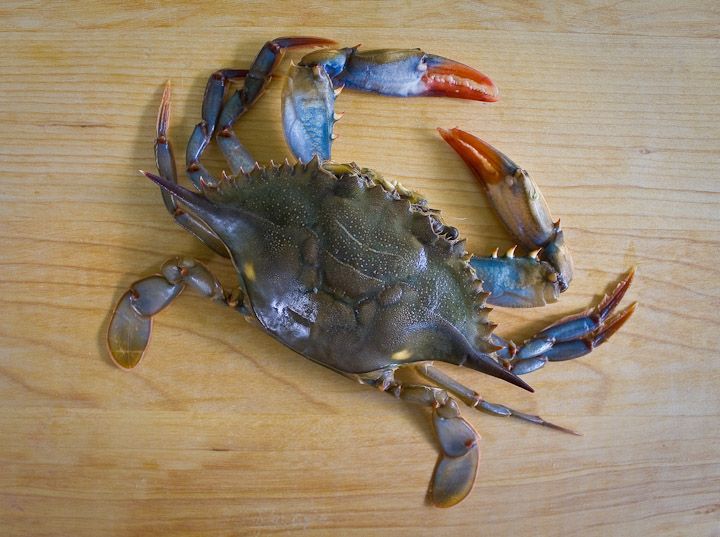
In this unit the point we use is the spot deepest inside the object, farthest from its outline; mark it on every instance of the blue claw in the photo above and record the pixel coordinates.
(403, 73)
(308, 104)
(408, 73)
(309, 95)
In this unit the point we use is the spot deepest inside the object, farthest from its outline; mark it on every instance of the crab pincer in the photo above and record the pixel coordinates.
(310, 91)
(547, 270)
(411, 73)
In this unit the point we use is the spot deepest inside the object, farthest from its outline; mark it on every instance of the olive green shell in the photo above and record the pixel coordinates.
(348, 270)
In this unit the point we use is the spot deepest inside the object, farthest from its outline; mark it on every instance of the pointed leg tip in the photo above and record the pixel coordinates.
(304, 41)
(512, 378)
(611, 301)
(451, 133)
(562, 429)
(628, 278)
(163, 117)
(532, 418)
(613, 324)
(517, 381)
(621, 318)
(167, 93)
(161, 181)
(152, 176)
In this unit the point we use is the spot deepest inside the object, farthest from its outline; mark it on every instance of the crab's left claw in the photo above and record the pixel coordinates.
(518, 202)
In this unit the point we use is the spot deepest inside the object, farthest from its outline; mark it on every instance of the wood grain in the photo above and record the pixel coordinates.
(612, 106)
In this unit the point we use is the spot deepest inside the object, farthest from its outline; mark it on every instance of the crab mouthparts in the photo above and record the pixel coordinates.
(449, 78)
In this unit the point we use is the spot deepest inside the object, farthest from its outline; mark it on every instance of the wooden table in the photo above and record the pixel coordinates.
(613, 107)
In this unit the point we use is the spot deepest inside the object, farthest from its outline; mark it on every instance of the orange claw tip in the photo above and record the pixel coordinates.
(488, 164)
(449, 78)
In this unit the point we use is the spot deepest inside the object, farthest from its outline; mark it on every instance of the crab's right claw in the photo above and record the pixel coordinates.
(457, 464)
(519, 204)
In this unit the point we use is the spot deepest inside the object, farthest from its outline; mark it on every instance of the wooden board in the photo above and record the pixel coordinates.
(614, 109)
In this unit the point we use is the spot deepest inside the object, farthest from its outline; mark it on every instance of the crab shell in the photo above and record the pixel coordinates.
(347, 270)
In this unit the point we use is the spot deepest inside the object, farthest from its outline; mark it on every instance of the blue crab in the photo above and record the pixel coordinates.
(354, 271)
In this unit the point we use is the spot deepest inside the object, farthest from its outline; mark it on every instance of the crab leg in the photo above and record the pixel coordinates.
(214, 113)
(203, 132)
(256, 80)
(165, 161)
(309, 95)
(457, 463)
(131, 323)
(548, 269)
(570, 337)
(473, 399)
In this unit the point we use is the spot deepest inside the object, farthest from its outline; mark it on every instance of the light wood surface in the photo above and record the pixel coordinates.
(613, 107)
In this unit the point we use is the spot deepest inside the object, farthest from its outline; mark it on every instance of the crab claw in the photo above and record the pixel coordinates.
(308, 107)
(517, 201)
(412, 72)
(449, 78)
